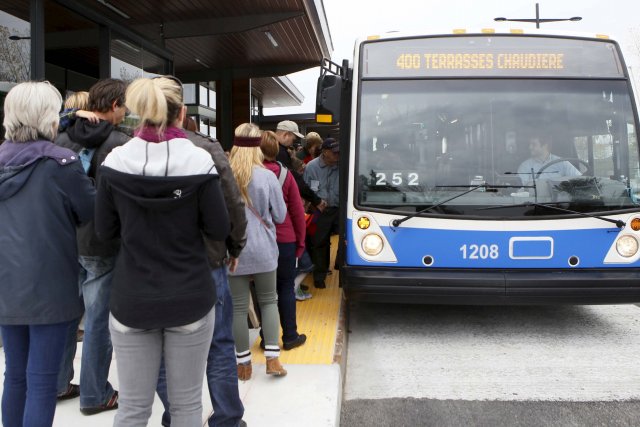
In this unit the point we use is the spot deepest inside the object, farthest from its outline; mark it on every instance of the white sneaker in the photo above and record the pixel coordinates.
(302, 295)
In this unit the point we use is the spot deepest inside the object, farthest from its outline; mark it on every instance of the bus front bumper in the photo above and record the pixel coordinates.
(485, 286)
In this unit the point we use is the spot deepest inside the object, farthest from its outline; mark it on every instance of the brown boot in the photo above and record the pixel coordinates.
(275, 368)
(244, 371)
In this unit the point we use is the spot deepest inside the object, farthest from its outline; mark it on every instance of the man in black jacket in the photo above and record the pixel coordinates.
(222, 375)
(96, 258)
(287, 132)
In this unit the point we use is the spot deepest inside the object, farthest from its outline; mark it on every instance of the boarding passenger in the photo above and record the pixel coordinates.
(541, 156)
(258, 261)
(311, 148)
(75, 106)
(222, 375)
(92, 142)
(290, 237)
(44, 195)
(160, 194)
(322, 176)
(287, 132)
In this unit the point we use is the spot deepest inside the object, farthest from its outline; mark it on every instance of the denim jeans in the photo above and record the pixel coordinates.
(66, 367)
(222, 374)
(138, 355)
(95, 284)
(32, 361)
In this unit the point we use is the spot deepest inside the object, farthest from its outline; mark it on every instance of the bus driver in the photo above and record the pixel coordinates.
(541, 156)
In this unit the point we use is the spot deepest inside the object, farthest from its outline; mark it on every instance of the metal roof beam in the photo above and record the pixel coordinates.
(206, 75)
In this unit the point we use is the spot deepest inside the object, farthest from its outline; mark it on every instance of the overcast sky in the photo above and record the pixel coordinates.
(351, 19)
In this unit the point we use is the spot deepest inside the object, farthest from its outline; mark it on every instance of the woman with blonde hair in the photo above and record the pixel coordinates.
(76, 106)
(311, 148)
(161, 194)
(258, 260)
(44, 196)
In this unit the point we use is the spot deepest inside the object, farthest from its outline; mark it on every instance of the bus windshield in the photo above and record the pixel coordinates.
(525, 141)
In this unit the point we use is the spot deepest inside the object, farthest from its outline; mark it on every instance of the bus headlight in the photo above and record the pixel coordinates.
(372, 244)
(627, 246)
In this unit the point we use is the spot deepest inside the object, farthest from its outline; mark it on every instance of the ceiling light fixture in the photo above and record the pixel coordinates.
(127, 45)
(271, 39)
(115, 9)
(204, 64)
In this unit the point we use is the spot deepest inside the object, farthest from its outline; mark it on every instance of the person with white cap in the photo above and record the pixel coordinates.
(287, 132)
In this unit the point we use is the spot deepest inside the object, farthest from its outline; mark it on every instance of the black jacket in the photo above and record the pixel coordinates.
(104, 137)
(162, 278)
(237, 238)
(44, 195)
(305, 191)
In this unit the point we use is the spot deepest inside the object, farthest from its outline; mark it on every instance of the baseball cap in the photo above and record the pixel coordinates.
(290, 126)
(331, 144)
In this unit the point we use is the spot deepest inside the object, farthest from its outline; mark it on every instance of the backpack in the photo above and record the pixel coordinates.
(86, 154)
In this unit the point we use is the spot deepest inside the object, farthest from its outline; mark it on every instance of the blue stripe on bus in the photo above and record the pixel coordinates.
(491, 249)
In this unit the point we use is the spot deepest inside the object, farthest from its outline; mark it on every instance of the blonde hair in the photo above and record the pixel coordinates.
(156, 101)
(269, 145)
(243, 159)
(313, 142)
(79, 100)
(31, 112)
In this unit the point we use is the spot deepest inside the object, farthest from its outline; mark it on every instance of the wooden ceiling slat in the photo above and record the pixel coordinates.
(297, 43)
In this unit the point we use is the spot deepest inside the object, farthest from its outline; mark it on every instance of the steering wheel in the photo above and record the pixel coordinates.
(564, 159)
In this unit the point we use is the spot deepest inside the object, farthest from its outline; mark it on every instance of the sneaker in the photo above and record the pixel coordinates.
(290, 345)
(304, 287)
(72, 391)
(110, 405)
(302, 295)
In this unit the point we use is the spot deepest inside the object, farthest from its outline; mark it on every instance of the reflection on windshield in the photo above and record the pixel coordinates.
(540, 141)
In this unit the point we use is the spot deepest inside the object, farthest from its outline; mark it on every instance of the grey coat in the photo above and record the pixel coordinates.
(261, 251)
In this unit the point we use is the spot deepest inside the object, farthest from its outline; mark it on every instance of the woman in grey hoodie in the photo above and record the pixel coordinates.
(264, 204)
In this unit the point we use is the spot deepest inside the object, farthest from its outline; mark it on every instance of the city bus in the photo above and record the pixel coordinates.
(480, 167)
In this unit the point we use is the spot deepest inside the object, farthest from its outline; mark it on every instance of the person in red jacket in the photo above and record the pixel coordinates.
(290, 236)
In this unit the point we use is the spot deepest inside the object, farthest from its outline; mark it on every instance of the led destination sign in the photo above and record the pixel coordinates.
(476, 61)
(477, 56)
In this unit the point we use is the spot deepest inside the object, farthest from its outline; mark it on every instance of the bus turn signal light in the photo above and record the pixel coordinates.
(363, 223)
(635, 224)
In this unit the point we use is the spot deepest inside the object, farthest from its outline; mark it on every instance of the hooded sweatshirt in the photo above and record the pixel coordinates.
(163, 199)
(44, 195)
(104, 137)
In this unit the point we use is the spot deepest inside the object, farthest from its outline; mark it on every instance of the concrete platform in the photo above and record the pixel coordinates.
(309, 395)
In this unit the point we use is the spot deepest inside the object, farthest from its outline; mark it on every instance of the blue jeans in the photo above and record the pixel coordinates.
(95, 284)
(32, 361)
(222, 374)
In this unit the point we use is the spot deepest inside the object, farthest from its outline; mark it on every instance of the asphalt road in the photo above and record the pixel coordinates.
(410, 365)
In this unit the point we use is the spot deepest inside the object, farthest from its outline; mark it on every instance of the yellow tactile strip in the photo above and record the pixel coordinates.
(318, 319)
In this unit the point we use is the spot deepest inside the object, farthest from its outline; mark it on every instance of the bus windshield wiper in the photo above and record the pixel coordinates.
(396, 222)
(619, 223)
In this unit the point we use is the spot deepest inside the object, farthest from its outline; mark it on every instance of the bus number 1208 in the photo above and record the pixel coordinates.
(479, 251)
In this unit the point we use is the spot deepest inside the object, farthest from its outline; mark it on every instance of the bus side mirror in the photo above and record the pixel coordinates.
(328, 99)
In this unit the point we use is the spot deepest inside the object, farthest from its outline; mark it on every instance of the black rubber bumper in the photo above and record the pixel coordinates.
(448, 286)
